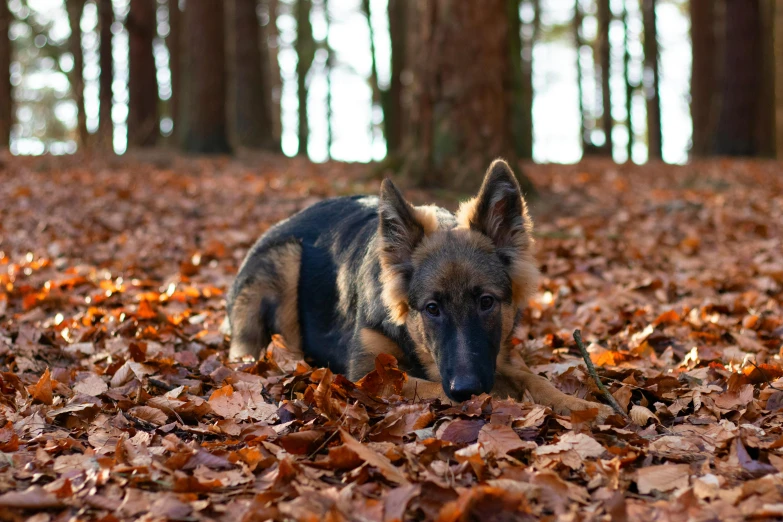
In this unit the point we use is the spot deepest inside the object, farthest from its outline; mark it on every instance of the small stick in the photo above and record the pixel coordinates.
(594, 375)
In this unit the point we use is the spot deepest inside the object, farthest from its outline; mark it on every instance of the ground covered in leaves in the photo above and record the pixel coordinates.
(117, 402)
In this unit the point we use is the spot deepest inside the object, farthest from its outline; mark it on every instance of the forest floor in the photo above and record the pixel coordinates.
(117, 402)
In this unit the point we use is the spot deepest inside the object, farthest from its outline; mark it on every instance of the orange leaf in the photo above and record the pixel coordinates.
(42, 390)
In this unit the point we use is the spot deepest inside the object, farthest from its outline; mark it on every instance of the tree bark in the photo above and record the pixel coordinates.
(652, 91)
(75, 9)
(460, 115)
(105, 124)
(703, 75)
(273, 38)
(174, 44)
(6, 100)
(251, 116)
(521, 56)
(305, 52)
(586, 141)
(142, 77)
(737, 121)
(605, 57)
(393, 106)
(629, 88)
(203, 97)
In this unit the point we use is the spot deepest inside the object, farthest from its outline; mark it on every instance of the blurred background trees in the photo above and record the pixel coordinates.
(435, 89)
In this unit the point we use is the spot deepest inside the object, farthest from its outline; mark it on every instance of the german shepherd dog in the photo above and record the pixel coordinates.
(353, 277)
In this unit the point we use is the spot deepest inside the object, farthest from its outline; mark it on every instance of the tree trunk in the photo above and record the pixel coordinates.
(629, 88)
(174, 44)
(521, 56)
(273, 39)
(105, 125)
(203, 97)
(305, 52)
(778, 54)
(737, 121)
(703, 75)
(766, 131)
(6, 101)
(329, 67)
(585, 139)
(251, 98)
(652, 91)
(75, 9)
(393, 106)
(605, 57)
(461, 115)
(142, 75)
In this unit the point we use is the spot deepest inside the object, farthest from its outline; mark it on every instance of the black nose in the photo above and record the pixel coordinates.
(462, 387)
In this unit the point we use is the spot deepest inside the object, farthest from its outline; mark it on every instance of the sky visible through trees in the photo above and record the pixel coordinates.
(357, 123)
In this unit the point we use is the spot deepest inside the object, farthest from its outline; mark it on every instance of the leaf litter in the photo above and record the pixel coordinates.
(117, 401)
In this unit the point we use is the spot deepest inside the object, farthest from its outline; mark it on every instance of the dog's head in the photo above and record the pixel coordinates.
(457, 283)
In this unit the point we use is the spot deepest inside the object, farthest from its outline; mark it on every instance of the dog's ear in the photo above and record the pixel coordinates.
(499, 211)
(399, 233)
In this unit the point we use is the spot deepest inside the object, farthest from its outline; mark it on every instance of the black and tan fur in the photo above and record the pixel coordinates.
(349, 278)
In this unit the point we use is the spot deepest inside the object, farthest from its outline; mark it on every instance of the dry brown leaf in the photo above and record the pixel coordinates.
(666, 477)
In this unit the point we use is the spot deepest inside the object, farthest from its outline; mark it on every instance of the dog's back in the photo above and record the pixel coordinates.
(299, 280)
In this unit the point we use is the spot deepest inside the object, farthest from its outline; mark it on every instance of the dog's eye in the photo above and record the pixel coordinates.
(487, 302)
(432, 309)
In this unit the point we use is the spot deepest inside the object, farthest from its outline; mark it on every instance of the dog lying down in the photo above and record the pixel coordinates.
(353, 277)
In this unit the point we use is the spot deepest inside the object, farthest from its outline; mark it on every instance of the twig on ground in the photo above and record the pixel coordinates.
(764, 375)
(594, 375)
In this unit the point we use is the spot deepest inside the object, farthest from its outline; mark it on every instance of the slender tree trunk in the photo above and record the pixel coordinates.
(579, 44)
(174, 44)
(461, 115)
(6, 100)
(105, 124)
(522, 78)
(652, 92)
(273, 47)
(329, 67)
(250, 86)
(393, 108)
(203, 97)
(629, 88)
(703, 74)
(605, 57)
(737, 122)
(305, 51)
(75, 9)
(142, 76)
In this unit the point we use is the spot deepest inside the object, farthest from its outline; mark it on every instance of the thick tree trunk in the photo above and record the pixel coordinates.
(75, 9)
(305, 52)
(6, 102)
(250, 84)
(652, 90)
(105, 125)
(766, 132)
(174, 44)
(142, 76)
(203, 97)
(605, 57)
(778, 55)
(737, 122)
(703, 75)
(461, 113)
(393, 106)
